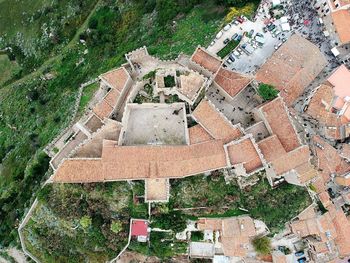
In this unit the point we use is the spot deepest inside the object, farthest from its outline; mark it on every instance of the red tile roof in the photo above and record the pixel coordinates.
(341, 20)
(244, 152)
(292, 67)
(206, 60)
(139, 228)
(231, 82)
(278, 119)
(215, 123)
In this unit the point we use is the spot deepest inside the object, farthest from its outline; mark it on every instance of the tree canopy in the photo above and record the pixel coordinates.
(267, 92)
(262, 245)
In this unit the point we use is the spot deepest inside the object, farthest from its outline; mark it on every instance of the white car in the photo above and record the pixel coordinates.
(218, 35)
(227, 27)
(212, 43)
(236, 53)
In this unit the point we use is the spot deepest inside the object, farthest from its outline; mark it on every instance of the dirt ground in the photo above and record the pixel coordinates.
(133, 257)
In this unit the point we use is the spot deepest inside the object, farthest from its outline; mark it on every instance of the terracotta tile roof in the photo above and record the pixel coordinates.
(339, 80)
(206, 60)
(231, 82)
(271, 148)
(319, 226)
(198, 134)
(244, 152)
(306, 172)
(345, 150)
(80, 170)
(209, 224)
(215, 123)
(299, 60)
(329, 160)
(102, 109)
(279, 257)
(116, 78)
(93, 147)
(320, 106)
(112, 97)
(325, 199)
(277, 117)
(342, 226)
(291, 160)
(341, 21)
(162, 161)
(235, 233)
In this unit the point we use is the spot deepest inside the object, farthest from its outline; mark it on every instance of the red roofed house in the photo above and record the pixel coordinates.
(330, 105)
(139, 229)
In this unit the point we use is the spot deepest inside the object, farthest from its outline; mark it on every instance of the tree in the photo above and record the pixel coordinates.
(267, 92)
(85, 222)
(262, 245)
(116, 227)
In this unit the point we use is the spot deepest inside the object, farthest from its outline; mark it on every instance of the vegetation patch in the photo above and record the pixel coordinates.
(226, 50)
(8, 69)
(267, 92)
(162, 245)
(262, 245)
(87, 95)
(169, 81)
(211, 195)
(78, 223)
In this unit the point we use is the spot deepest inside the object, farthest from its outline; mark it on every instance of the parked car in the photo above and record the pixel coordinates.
(251, 32)
(212, 43)
(299, 253)
(259, 35)
(236, 22)
(244, 18)
(236, 53)
(239, 38)
(226, 41)
(278, 45)
(284, 39)
(302, 260)
(218, 35)
(271, 26)
(265, 29)
(276, 33)
(239, 50)
(232, 58)
(228, 61)
(239, 19)
(227, 27)
(234, 37)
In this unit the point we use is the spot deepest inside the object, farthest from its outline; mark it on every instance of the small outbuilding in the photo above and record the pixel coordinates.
(139, 229)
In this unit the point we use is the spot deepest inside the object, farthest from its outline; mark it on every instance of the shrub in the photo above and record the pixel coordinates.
(169, 81)
(262, 245)
(85, 222)
(197, 236)
(116, 227)
(267, 92)
(175, 221)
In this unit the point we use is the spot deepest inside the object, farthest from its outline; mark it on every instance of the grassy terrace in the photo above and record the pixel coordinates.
(228, 49)
(274, 206)
(33, 111)
(73, 223)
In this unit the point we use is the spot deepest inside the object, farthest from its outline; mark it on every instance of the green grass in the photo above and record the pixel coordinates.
(55, 232)
(88, 93)
(7, 68)
(226, 50)
(273, 206)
